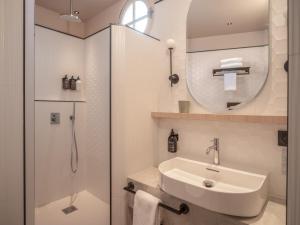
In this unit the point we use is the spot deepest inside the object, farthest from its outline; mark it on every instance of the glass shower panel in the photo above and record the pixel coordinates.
(72, 126)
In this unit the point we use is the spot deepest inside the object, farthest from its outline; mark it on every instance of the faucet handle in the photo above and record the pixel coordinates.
(208, 150)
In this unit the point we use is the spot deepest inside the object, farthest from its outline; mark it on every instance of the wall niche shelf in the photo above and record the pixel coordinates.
(222, 117)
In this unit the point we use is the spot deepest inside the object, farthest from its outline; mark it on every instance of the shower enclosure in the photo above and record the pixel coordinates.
(72, 129)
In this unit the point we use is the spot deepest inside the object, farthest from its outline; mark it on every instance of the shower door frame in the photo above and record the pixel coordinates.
(29, 83)
(29, 112)
(293, 187)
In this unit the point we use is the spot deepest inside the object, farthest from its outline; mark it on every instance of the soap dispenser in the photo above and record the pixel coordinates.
(172, 142)
(65, 83)
(78, 84)
(72, 83)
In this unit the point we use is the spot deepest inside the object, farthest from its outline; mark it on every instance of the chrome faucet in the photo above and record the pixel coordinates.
(216, 149)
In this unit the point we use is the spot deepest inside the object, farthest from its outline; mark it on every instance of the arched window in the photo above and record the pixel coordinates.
(136, 14)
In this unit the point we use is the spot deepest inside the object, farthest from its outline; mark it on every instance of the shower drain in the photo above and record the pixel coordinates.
(69, 209)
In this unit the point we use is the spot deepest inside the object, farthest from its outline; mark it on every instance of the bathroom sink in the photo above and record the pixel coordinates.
(220, 189)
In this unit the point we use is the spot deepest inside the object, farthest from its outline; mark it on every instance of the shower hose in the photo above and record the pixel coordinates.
(74, 146)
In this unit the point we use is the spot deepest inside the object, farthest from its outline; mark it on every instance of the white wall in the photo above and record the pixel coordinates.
(56, 55)
(138, 70)
(237, 40)
(97, 70)
(11, 112)
(53, 177)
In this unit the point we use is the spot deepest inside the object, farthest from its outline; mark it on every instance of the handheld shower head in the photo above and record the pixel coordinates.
(73, 16)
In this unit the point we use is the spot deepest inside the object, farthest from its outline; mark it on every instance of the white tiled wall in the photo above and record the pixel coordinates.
(208, 90)
(56, 55)
(53, 177)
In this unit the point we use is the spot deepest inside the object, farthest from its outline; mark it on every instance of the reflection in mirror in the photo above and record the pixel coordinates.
(227, 52)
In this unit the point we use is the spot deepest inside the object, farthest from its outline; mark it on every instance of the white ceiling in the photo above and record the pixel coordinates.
(210, 17)
(87, 8)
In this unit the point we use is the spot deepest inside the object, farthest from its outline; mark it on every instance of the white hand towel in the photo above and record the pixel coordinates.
(232, 60)
(231, 65)
(145, 209)
(230, 82)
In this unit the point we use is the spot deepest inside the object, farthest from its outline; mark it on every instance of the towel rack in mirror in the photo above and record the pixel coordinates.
(237, 70)
(183, 208)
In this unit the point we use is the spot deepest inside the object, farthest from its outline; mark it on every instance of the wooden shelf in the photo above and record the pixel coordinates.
(222, 117)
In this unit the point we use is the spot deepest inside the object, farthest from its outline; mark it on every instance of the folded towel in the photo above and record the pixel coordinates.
(232, 60)
(145, 209)
(231, 65)
(230, 82)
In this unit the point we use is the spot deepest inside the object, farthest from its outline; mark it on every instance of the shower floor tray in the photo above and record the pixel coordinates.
(90, 211)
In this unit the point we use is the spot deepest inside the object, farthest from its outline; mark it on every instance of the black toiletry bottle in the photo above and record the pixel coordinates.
(172, 142)
(72, 83)
(65, 83)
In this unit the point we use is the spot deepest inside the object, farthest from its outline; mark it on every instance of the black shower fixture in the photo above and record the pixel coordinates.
(174, 78)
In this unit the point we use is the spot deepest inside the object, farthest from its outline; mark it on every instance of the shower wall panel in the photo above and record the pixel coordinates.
(97, 70)
(139, 71)
(53, 176)
(56, 55)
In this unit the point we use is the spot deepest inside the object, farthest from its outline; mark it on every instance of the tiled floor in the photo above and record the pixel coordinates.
(91, 211)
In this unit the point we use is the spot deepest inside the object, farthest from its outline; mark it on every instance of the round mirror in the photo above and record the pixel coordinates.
(227, 52)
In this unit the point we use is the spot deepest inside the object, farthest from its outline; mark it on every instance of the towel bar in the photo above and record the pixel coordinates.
(183, 208)
(237, 70)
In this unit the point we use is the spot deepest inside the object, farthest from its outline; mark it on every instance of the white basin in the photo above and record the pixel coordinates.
(233, 192)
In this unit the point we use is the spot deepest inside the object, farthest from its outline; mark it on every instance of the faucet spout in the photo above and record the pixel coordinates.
(215, 147)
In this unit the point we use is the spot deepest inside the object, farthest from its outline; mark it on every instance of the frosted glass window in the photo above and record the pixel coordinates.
(136, 15)
(128, 16)
(141, 9)
(141, 25)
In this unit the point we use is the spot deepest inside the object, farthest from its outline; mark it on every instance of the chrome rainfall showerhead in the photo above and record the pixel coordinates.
(73, 16)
